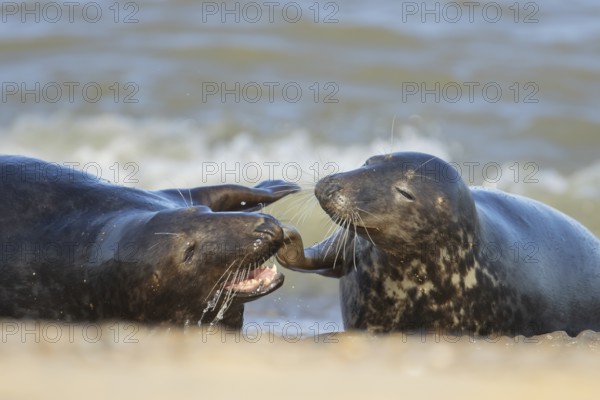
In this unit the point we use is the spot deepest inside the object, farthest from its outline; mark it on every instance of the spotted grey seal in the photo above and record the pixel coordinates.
(77, 248)
(420, 250)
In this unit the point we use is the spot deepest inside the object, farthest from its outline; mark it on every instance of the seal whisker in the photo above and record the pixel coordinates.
(332, 226)
(183, 197)
(307, 211)
(240, 274)
(229, 296)
(292, 208)
(222, 281)
(301, 213)
(345, 238)
(210, 305)
(153, 246)
(339, 246)
(246, 272)
(354, 247)
(341, 222)
(224, 307)
(163, 233)
(312, 205)
(227, 270)
(420, 175)
(425, 163)
(392, 131)
(301, 195)
(366, 230)
(367, 212)
(330, 244)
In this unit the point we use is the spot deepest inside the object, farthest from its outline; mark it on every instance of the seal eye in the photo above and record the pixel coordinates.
(406, 194)
(189, 253)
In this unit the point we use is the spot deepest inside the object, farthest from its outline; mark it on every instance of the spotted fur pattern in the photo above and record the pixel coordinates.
(425, 252)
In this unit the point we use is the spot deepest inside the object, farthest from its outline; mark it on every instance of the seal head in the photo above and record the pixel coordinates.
(186, 266)
(396, 201)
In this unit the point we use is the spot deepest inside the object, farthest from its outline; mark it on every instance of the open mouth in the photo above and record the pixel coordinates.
(257, 282)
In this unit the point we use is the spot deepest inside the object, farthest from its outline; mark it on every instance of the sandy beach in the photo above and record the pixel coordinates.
(197, 363)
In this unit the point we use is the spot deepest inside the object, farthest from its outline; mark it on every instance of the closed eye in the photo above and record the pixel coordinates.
(406, 194)
(189, 253)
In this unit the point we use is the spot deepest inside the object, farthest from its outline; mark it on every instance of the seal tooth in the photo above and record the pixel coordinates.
(261, 277)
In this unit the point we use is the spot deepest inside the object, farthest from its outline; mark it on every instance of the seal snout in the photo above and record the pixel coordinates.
(331, 197)
(257, 279)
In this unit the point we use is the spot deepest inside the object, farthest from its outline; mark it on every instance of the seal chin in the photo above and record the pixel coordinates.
(258, 282)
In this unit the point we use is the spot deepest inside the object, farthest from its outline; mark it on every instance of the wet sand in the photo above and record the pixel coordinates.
(126, 361)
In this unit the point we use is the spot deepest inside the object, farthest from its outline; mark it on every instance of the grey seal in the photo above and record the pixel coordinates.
(77, 248)
(418, 249)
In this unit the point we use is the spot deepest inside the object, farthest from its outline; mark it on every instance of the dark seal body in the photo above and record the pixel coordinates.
(77, 248)
(420, 250)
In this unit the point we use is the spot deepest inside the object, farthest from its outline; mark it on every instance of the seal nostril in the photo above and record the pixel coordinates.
(332, 190)
(326, 189)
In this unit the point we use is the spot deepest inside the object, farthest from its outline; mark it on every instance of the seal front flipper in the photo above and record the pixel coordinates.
(265, 193)
(233, 197)
(319, 259)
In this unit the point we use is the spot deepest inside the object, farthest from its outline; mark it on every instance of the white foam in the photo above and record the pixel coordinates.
(182, 153)
(582, 184)
(587, 181)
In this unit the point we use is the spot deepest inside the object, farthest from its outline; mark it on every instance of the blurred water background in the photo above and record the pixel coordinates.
(181, 93)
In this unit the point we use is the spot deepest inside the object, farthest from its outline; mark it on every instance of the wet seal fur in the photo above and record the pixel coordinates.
(76, 248)
(420, 250)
